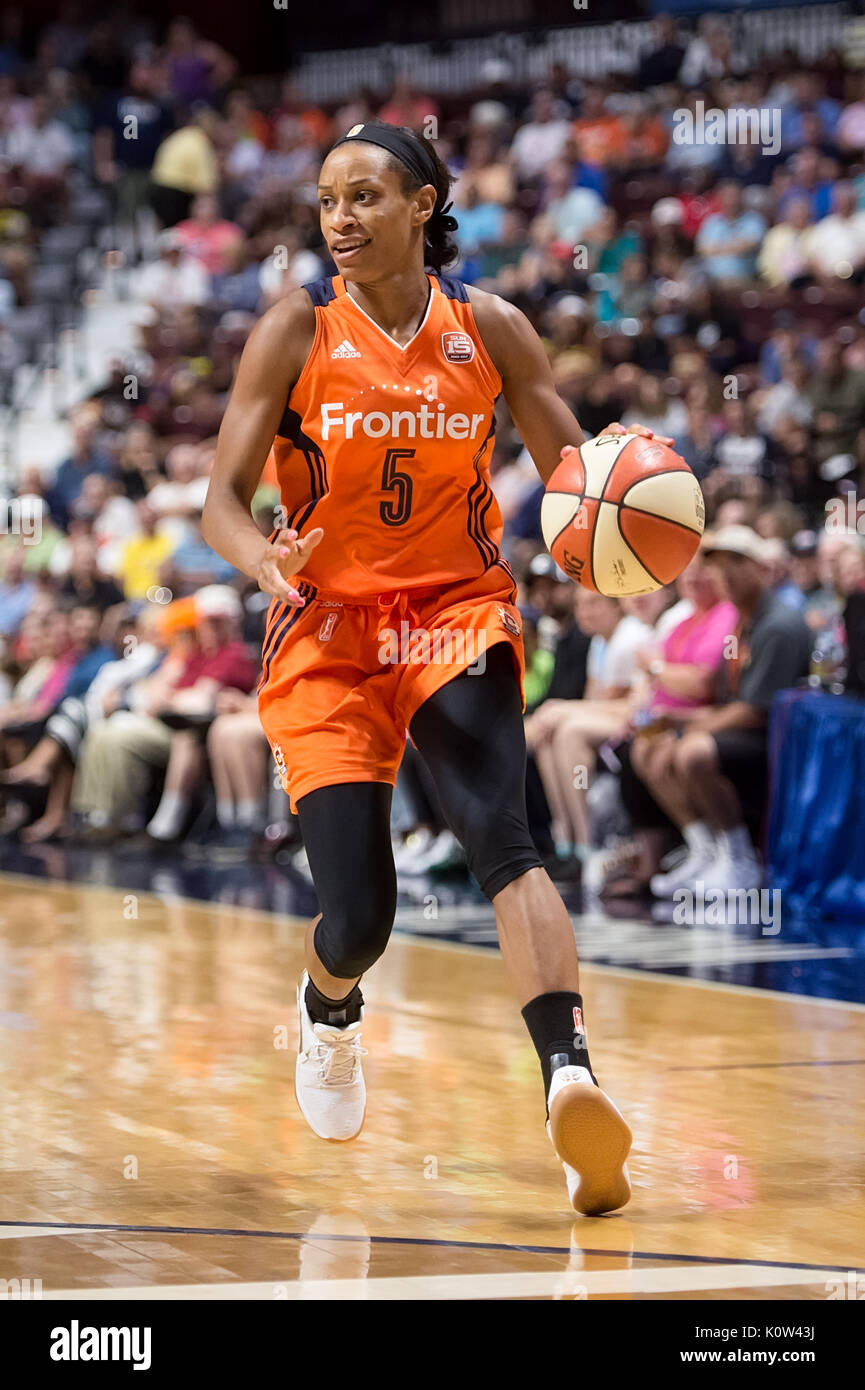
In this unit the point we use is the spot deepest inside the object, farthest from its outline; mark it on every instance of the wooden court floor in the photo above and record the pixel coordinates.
(150, 1143)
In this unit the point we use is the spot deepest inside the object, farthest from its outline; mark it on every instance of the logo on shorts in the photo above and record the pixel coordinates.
(458, 347)
(325, 632)
(509, 621)
(280, 765)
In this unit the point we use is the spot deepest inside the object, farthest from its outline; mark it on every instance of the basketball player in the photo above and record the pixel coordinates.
(376, 390)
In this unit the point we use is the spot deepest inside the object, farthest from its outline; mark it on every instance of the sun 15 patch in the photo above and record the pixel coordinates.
(458, 347)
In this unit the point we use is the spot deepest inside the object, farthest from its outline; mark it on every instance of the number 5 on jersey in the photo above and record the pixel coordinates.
(396, 509)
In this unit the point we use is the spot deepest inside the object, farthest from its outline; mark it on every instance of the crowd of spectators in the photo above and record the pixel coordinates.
(711, 291)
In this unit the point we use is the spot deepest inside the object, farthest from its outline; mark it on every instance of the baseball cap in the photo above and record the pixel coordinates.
(737, 540)
(217, 601)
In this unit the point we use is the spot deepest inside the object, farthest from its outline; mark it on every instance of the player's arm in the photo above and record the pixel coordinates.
(270, 365)
(546, 425)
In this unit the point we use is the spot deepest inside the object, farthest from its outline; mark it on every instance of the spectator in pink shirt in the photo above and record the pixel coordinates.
(49, 649)
(682, 671)
(680, 678)
(207, 237)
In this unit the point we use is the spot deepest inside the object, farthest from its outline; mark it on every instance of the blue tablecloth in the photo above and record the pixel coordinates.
(816, 840)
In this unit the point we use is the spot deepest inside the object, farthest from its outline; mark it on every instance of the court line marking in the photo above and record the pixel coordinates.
(49, 1228)
(275, 919)
(769, 1066)
(567, 1283)
(23, 1231)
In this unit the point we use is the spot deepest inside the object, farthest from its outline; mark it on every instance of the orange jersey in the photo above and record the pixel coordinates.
(387, 448)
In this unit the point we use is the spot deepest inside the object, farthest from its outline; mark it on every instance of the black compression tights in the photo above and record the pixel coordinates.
(470, 734)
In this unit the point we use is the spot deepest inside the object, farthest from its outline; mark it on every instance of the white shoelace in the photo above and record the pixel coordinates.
(338, 1061)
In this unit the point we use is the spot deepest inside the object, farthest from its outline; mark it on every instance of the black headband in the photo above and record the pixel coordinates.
(410, 150)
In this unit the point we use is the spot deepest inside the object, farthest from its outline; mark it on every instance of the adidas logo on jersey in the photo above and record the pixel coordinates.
(345, 349)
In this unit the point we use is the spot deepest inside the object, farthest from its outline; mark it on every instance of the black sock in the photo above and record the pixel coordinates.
(555, 1023)
(336, 1013)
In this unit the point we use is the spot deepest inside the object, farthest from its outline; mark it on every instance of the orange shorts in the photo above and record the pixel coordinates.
(342, 678)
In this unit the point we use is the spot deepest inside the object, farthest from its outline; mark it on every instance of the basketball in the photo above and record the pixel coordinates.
(622, 515)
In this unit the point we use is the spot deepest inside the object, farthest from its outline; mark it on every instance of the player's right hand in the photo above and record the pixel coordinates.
(284, 558)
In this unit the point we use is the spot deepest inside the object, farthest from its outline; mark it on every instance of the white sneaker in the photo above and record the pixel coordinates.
(329, 1082)
(592, 1141)
(685, 873)
(731, 871)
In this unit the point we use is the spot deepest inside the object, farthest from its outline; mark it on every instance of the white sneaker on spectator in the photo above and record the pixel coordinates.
(736, 864)
(729, 873)
(702, 851)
